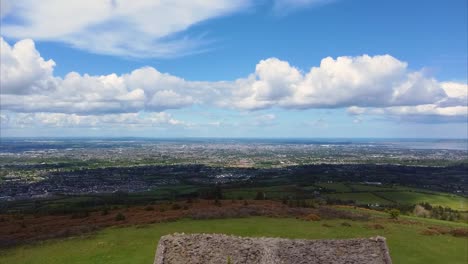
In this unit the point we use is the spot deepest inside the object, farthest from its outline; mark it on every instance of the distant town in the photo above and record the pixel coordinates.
(45, 168)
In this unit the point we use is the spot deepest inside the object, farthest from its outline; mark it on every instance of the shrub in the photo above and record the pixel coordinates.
(459, 232)
(105, 211)
(430, 232)
(312, 217)
(420, 211)
(394, 213)
(217, 202)
(149, 208)
(119, 217)
(260, 196)
(80, 214)
(176, 206)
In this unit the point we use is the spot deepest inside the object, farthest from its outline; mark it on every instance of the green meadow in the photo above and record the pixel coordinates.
(361, 194)
(138, 244)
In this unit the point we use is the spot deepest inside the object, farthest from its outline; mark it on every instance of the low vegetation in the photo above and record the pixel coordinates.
(407, 240)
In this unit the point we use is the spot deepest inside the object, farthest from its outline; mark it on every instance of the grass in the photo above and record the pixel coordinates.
(452, 201)
(272, 192)
(359, 198)
(138, 245)
(370, 188)
(336, 186)
(360, 193)
(367, 194)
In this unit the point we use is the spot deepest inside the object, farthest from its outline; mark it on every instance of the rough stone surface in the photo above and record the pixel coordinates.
(217, 248)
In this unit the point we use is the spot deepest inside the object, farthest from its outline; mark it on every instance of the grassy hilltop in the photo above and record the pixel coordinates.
(408, 239)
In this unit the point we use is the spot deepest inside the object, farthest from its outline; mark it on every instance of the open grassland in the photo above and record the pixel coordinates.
(336, 187)
(364, 194)
(361, 194)
(272, 192)
(138, 244)
(360, 198)
(452, 201)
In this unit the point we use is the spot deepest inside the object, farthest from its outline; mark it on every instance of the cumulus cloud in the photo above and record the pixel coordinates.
(344, 81)
(23, 69)
(118, 27)
(365, 84)
(451, 108)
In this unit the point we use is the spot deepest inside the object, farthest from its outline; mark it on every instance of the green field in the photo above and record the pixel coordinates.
(452, 201)
(359, 198)
(138, 244)
(336, 186)
(272, 192)
(371, 188)
(388, 195)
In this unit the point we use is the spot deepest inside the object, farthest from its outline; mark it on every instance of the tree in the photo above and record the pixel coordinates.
(119, 217)
(394, 213)
(260, 196)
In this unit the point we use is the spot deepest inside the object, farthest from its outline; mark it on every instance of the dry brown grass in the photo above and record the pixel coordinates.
(438, 230)
(459, 232)
(430, 232)
(311, 217)
(16, 229)
(374, 226)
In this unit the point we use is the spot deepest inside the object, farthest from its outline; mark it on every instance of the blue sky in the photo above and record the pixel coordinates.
(402, 72)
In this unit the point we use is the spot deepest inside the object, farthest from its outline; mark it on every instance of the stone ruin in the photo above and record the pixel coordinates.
(222, 249)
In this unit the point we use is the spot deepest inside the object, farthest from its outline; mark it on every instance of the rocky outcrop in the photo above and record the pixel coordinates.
(218, 248)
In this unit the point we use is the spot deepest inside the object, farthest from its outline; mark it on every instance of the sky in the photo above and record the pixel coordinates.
(240, 68)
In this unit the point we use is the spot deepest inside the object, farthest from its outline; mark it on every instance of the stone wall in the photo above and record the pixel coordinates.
(218, 248)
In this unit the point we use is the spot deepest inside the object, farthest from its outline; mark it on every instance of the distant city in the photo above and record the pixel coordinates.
(34, 168)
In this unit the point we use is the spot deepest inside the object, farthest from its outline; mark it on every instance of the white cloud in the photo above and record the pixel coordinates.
(365, 84)
(427, 109)
(125, 120)
(119, 27)
(457, 94)
(344, 81)
(453, 107)
(455, 90)
(23, 70)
